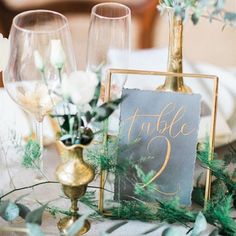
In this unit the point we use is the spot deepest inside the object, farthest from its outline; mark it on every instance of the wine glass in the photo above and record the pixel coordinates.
(41, 54)
(109, 41)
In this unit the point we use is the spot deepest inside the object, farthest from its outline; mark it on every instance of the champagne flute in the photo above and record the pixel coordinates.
(41, 53)
(109, 41)
(109, 47)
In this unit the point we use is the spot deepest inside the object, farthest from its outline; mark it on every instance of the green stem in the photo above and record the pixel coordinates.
(49, 92)
(59, 75)
(27, 187)
(78, 133)
(71, 125)
(45, 182)
(44, 78)
(39, 138)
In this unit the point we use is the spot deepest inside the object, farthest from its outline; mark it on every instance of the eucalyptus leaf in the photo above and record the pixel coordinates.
(200, 225)
(77, 226)
(105, 110)
(172, 231)
(94, 101)
(230, 16)
(88, 116)
(3, 206)
(153, 229)
(168, 3)
(195, 19)
(66, 122)
(197, 8)
(24, 210)
(34, 230)
(35, 216)
(115, 227)
(66, 125)
(9, 211)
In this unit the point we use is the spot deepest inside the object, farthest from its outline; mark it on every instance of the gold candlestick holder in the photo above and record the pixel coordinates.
(74, 175)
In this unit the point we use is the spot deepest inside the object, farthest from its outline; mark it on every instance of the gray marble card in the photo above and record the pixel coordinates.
(162, 128)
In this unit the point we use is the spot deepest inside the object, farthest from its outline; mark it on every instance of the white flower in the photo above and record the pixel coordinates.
(4, 52)
(80, 87)
(57, 57)
(38, 61)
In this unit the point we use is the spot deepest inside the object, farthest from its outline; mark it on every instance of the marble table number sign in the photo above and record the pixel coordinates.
(162, 129)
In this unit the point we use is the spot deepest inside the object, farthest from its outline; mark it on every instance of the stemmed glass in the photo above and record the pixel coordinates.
(109, 40)
(41, 53)
(109, 47)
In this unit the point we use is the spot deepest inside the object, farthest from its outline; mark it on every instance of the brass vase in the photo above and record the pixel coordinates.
(74, 175)
(175, 55)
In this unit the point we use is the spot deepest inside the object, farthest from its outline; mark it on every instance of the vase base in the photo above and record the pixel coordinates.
(66, 222)
(181, 89)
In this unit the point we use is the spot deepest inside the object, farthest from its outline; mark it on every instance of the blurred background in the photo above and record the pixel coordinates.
(205, 42)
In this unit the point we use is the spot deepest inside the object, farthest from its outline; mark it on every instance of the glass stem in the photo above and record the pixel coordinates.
(79, 125)
(39, 139)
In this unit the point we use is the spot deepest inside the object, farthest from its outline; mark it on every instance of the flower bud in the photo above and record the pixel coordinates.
(80, 87)
(38, 61)
(57, 57)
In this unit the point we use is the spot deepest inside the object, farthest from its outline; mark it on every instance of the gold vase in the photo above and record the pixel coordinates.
(74, 175)
(175, 55)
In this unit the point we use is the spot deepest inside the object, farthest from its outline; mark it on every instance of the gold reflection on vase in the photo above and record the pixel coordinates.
(175, 55)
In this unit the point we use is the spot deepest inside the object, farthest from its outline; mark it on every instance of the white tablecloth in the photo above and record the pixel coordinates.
(21, 177)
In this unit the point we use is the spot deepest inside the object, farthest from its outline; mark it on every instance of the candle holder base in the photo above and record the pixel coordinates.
(66, 222)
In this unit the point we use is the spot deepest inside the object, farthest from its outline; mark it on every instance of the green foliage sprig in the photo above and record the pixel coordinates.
(212, 9)
(31, 154)
(75, 126)
(9, 211)
(220, 170)
(133, 210)
(217, 212)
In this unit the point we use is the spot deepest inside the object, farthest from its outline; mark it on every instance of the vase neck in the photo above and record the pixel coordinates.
(76, 153)
(175, 54)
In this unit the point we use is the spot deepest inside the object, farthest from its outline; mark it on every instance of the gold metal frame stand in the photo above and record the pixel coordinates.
(215, 81)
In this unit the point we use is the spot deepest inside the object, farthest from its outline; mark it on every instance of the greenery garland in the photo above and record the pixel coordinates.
(217, 211)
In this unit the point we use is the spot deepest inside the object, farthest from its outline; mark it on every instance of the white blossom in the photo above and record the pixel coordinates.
(80, 88)
(4, 52)
(57, 57)
(38, 61)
